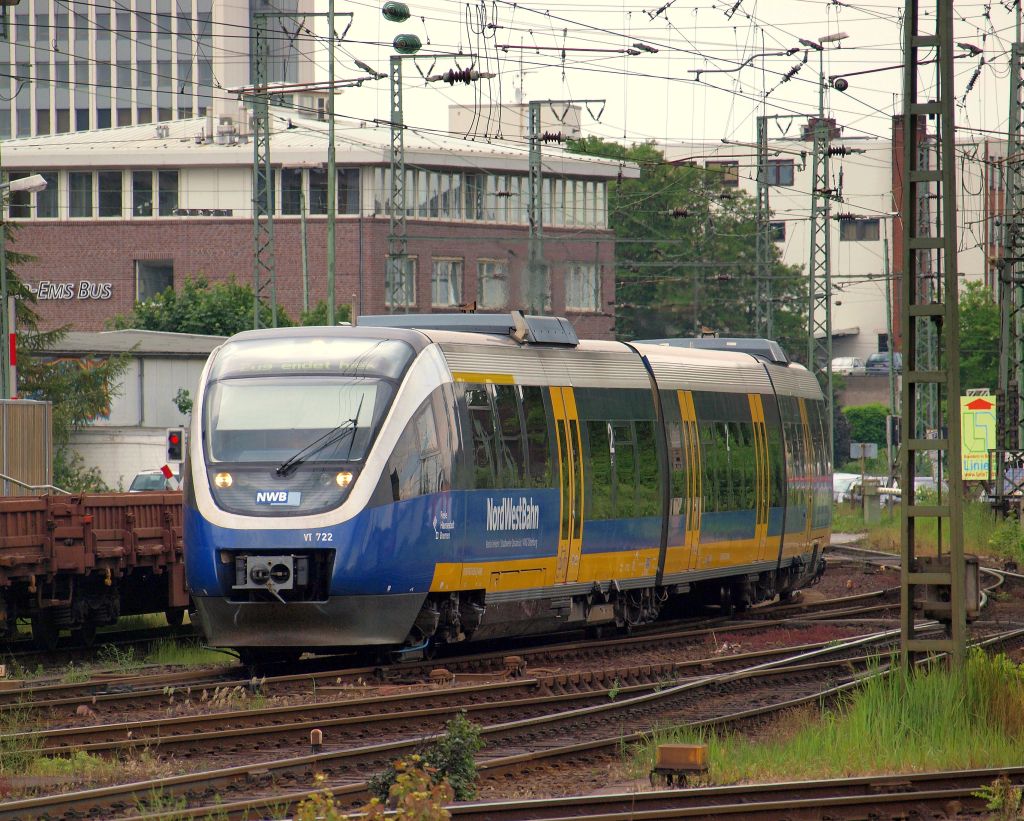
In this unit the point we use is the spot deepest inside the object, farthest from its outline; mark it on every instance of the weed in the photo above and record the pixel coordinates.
(78, 763)
(417, 794)
(449, 759)
(18, 749)
(122, 659)
(616, 688)
(165, 806)
(74, 675)
(234, 698)
(186, 653)
(1002, 799)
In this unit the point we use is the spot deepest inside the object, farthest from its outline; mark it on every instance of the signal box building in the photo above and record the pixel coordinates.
(131, 211)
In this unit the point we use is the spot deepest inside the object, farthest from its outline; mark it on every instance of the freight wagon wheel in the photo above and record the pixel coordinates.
(85, 635)
(45, 631)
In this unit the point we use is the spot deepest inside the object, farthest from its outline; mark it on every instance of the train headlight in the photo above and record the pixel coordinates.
(344, 478)
(223, 480)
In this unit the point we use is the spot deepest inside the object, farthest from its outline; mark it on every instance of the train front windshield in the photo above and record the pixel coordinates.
(261, 420)
(319, 399)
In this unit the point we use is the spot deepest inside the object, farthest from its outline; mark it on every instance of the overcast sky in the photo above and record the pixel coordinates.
(660, 96)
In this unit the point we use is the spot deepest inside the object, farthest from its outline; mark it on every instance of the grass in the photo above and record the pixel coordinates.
(187, 653)
(903, 722)
(984, 534)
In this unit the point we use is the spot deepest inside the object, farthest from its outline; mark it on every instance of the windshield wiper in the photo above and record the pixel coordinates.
(332, 436)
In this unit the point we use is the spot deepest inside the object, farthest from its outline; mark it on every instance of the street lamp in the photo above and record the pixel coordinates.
(8, 374)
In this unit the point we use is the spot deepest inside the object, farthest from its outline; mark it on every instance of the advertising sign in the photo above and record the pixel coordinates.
(978, 435)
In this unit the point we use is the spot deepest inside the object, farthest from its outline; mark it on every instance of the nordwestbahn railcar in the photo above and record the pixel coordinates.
(473, 476)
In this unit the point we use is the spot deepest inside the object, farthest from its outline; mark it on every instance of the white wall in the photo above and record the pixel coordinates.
(120, 452)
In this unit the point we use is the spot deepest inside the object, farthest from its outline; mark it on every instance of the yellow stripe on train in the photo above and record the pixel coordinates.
(526, 574)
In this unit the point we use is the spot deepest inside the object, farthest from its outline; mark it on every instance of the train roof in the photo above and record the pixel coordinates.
(475, 343)
(766, 349)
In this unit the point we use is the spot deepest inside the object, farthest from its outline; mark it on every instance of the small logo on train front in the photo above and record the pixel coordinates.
(510, 515)
(287, 498)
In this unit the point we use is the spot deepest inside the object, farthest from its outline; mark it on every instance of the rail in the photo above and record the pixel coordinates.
(27, 486)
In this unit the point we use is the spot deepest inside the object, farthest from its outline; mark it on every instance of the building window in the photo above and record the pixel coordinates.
(142, 193)
(475, 184)
(291, 190)
(777, 231)
(400, 282)
(446, 283)
(317, 191)
(725, 172)
(491, 283)
(79, 194)
(19, 203)
(852, 229)
(167, 192)
(47, 199)
(780, 172)
(152, 277)
(582, 287)
(109, 185)
(348, 190)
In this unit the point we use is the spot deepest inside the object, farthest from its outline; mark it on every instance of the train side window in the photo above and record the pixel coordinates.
(743, 463)
(624, 469)
(415, 464)
(538, 436)
(776, 490)
(676, 453)
(599, 476)
(512, 461)
(481, 421)
(648, 479)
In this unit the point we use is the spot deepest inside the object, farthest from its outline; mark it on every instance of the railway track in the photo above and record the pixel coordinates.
(137, 690)
(904, 795)
(704, 701)
(534, 763)
(221, 732)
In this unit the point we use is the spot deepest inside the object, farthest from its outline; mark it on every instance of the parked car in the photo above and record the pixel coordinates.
(841, 483)
(887, 495)
(878, 363)
(152, 480)
(848, 366)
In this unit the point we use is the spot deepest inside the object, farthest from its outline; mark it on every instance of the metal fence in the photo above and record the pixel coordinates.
(26, 447)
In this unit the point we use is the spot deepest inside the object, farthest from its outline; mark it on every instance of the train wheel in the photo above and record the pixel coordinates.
(85, 635)
(45, 631)
(175, 616)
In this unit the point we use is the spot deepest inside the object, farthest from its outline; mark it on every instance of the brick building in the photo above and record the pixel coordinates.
(131, 211)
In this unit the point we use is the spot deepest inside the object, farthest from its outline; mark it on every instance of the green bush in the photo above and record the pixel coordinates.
(450, 758)
(867, 423)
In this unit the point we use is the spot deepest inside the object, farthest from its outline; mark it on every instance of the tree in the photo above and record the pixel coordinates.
(78, 389)
(218, 308)
(199, 307)
(867, 423)
(685, 253)
(979, 337)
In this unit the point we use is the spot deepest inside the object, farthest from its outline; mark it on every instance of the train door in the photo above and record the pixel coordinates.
(693, 505)
(570, 471)
(808, 471)
(762, 483)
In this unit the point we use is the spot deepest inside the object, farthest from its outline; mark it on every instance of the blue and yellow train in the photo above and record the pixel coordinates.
(471, 476)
